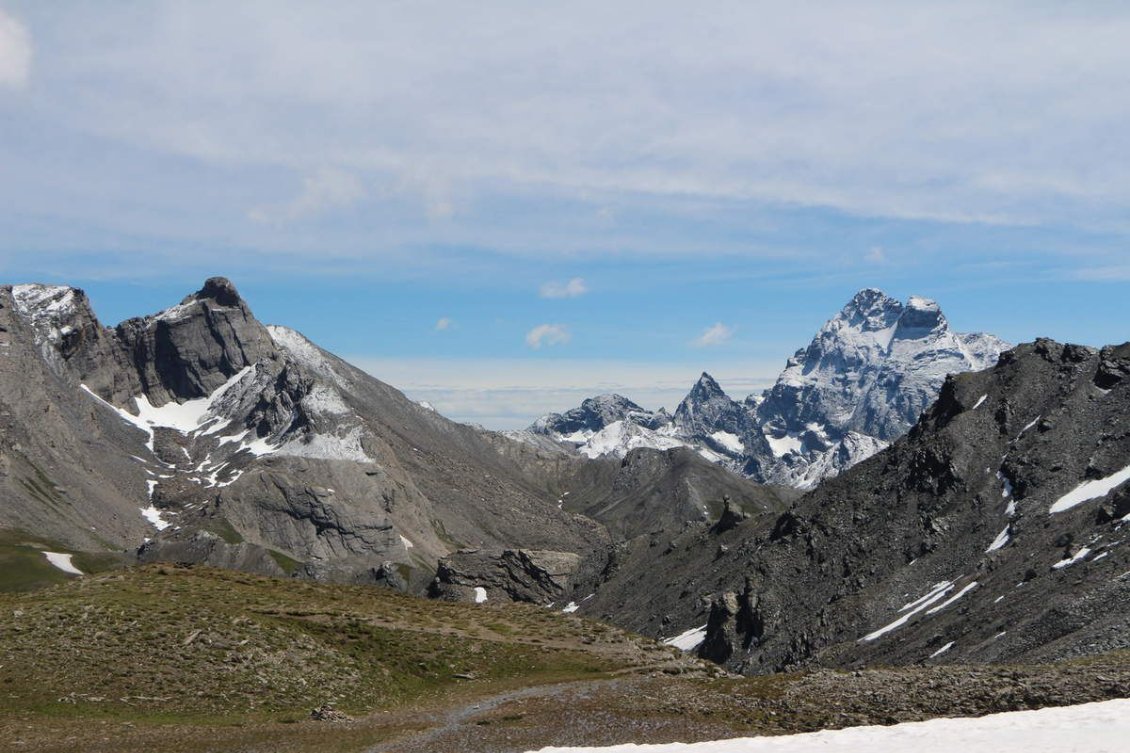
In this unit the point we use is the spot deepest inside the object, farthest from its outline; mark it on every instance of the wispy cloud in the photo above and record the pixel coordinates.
(714, 335)
(326, 189)
(15, 52)
(1113, 273)
(548, 334)
(511, 393)
(444, 323)
(571, 289)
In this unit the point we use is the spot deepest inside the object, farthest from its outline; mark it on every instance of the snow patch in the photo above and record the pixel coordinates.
(999, 541)
(1092, 727)
(688, 641)
(980, 402)
(480, 594)
(407, 544)
(63, 562)
(154, 516)
(911, 609)
(942, 650)
(953, 598)
(1089, 490)
(1079, 556)
(571, 607)
(732, 442)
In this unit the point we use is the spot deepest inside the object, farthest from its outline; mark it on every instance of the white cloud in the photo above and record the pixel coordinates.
(15, 52)
(876, 255)
(510, 393)
(444, 324)
(326, 189)
(548, 334)
(715, 335)
(571, 289)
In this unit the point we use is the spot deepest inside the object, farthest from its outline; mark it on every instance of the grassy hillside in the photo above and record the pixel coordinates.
(173, 643)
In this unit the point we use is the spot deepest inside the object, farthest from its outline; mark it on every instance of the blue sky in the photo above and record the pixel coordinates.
(593, 196)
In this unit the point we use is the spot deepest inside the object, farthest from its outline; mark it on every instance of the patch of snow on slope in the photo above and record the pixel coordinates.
(619, 438)
(732, 442)
(999, 541)
(302, 350)
(688, 641)
(942, 650)
(63, 562)
(571, 607)
(980, 402)
(1079, 556)
(480, 595)
(1100, 727)
(154, 516)
(782, 446)
(326, 401)
(1089, 490)
(911, 609)
(407, 544)
(953, 598)
(347, 446)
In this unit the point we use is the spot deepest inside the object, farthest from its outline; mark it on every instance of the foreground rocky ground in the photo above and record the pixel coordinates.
(194, 660)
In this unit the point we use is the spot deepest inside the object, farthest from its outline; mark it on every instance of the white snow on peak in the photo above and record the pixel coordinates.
(621, 437)
(63, 562)
(1089, 490)
(688, 641)
(345, 445)
(303, 351)
(1092, 728)
(480, 594)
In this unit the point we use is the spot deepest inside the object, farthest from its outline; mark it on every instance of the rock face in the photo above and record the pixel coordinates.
(213, 438)
(994, 531)
(863, 381)
(542, 577)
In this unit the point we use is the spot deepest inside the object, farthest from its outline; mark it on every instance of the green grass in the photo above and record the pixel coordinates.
(24, 568)
(162, 643)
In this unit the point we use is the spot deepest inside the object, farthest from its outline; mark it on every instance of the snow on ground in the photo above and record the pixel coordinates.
(1089, 490)
(731, 442)
(953, 598)
(999, 541)
(942, 650)
(1088, 728)
(782, 446)
(689, 640)
(407, 544)
(303, 351)
(1079, 556)
(63, 562)
(153, 515)
(326, 447)
(911, 609)
(480, 594)
(980, 402)
(571, 607)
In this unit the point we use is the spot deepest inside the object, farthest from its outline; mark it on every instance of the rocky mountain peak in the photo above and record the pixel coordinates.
(870, 310)
(221, 290)
(921, 318)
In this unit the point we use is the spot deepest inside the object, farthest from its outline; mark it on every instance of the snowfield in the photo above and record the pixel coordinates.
(1089, 728)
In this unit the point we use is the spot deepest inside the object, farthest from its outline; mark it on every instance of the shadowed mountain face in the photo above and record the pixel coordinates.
(210, 437)
(863, 381)
(996, 530)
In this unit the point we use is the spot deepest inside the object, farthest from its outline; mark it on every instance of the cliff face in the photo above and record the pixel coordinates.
(200, 434)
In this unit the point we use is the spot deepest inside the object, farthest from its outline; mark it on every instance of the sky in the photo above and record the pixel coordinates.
(505, 207)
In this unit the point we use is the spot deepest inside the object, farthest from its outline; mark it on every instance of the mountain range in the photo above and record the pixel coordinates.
(805, 526)
(862, 382)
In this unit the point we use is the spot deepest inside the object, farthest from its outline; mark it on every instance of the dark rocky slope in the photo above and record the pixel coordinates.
(958, 543)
